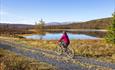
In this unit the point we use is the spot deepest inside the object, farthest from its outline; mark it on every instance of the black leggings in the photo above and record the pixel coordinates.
(62, 43)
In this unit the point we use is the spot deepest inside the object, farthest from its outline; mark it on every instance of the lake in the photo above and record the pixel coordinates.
(56, 36)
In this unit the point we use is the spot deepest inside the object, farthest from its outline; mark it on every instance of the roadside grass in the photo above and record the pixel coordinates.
(99, 49)
(11, 61)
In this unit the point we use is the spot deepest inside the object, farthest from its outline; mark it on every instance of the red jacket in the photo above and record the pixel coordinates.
(64, 38)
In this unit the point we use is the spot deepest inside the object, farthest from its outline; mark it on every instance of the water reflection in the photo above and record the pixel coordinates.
(100, 34)
(56, 36)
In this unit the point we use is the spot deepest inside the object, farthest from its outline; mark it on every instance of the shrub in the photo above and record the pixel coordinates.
(110, 37)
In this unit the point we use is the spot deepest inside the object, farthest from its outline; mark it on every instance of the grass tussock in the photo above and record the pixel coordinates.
(10, 61)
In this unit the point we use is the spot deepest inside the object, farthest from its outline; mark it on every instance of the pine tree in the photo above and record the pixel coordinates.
(110, 37)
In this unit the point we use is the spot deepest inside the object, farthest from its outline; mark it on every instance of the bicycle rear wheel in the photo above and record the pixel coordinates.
(58, 50)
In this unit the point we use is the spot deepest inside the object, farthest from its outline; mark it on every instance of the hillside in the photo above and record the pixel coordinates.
(23, 28)
(15, 28)
(93, 24)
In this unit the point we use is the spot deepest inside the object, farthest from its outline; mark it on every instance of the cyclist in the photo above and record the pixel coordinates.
(64, 41)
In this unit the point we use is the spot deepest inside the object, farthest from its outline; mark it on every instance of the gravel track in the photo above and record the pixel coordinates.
(59, 64)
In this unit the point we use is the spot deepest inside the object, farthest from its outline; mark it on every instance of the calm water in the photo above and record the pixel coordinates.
(56, 36)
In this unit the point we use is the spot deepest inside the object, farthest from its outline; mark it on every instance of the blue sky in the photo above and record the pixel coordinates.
(30, 11)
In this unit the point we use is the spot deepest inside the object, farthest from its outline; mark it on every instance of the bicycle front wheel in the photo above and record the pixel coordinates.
(70, 52)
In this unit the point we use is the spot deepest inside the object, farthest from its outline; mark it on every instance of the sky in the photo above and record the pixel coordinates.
(31, 11)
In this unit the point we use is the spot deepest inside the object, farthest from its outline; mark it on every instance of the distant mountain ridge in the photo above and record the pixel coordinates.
(53, 23)
(57, 23)
(92, 24)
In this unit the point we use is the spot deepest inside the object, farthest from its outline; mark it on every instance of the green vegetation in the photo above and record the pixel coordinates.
(111, 31)
(11, 61)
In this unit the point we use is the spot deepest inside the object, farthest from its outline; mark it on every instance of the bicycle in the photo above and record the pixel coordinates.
(61, 51)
